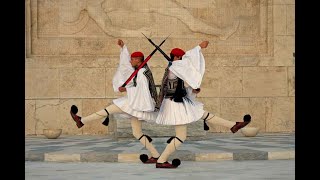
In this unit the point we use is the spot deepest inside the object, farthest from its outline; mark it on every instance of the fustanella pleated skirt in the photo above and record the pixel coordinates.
(174, 113)
(123, 104)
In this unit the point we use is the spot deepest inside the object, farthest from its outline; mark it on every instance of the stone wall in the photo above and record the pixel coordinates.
(71, 55)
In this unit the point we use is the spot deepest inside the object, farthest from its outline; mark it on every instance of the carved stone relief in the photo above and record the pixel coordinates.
(241, 26)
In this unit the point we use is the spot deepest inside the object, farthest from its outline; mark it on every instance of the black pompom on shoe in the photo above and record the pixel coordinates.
(143, 158)
(74, 109)
(176, 162)
(247, 118)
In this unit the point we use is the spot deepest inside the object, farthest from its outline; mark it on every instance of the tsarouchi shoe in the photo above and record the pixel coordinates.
(76, 118)
(239, 125)
(144, 158)
(175, 164)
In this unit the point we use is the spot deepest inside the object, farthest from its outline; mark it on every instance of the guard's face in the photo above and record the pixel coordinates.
(135, 61)
(177, 58)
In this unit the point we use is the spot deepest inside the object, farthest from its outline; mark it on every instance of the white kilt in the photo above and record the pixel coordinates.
(123, 104)
(173, 113)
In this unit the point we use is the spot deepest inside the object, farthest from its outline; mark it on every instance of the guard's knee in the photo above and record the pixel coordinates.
(178, 138)
(207, 116)
(136, 134)
(148, 137)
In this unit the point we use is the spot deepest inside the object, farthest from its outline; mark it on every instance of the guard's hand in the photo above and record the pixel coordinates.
(204, 44)
(122, 89)
(196, 91)
(120, 43)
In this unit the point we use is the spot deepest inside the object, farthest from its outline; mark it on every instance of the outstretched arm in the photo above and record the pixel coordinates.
(120, 43)
(124, 69)
(204, 44)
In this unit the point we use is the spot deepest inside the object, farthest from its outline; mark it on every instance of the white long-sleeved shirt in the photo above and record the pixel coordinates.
(139, 97)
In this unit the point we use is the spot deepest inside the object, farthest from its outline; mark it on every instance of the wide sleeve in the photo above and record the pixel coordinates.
(123, 71)
(191, 68)
(196, 58)
(139, 97)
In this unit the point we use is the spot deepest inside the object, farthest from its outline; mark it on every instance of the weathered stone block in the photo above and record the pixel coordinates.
(291, 81)
(213, 156)
(265, 81)
(30, 120)
(183, 155)
(257, 108)
(290, 19)
(47, 115)
(82, 82)
(280, 114)
(280, 19)
(35, 156)
(284, 47)
(231, 82)
(56, 114)
(98, 157)
(250, 156)
(281, 155)
(59, 157)
(128, 158)
(277, 2)
(42, 83)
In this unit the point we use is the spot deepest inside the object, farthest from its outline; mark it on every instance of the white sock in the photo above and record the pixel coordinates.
(102, 114)
(215, 120)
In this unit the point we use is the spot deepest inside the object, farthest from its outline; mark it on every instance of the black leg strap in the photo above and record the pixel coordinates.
(106, 121)
(170, 139)
(205, 126)
(148, 137)
(108, 112)
(206, 117)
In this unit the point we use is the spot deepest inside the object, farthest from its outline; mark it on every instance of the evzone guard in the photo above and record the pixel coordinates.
(180, 84)
(139, 103)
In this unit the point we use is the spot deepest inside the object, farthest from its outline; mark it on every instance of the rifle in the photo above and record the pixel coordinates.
(143, 63)
(158, 48)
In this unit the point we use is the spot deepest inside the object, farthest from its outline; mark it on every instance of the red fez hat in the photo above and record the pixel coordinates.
(177, 52)
(137, 54)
